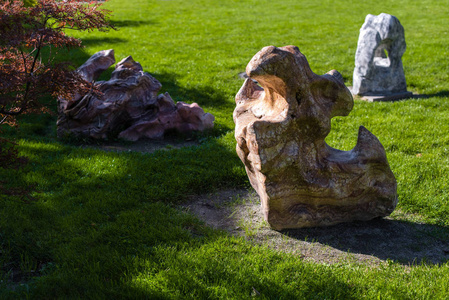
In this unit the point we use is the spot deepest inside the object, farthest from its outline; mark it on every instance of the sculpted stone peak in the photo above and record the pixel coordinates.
(280, 129)
(96, 64)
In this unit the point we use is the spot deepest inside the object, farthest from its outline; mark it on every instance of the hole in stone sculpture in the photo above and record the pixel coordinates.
(381, 55)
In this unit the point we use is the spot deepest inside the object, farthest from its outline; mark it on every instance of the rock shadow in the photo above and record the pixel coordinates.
(443, 93)
(387, 239)
(238, 211)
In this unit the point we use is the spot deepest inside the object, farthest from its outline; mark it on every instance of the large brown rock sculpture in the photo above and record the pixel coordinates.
(130, 107)
(280, 130)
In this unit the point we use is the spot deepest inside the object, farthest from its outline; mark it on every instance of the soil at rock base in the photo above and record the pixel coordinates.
(399, 237)
(374, 242)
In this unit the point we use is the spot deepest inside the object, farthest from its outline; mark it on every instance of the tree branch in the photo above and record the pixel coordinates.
(3, 120)
(11, 113)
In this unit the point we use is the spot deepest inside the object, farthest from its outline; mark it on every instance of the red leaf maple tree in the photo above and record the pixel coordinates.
(30, 38)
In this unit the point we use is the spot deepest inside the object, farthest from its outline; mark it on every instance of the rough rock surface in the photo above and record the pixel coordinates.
(378, 60)
(280, 130)
(130, 107)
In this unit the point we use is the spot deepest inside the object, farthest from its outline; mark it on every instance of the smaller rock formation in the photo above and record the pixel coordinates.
(378, 60)
(280, 128)
(130, 107)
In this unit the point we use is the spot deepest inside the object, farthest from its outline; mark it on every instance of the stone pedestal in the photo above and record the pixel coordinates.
(280, 130)
(385, 97)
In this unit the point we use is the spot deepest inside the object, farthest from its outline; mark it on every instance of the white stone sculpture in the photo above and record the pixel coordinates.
(378, 60)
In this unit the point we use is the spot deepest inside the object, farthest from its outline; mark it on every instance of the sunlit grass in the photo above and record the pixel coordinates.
(107, 225)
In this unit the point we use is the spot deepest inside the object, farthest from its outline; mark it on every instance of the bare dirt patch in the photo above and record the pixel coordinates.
(401, 237)
(396, 238)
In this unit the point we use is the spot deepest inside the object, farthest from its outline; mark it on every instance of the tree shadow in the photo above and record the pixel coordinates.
(103, 40)
(401, 241)
(77, 201)
(131, 23)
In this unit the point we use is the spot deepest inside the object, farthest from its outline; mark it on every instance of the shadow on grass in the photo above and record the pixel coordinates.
(401, 241)
(238, 211)
(425, 96)
(97, 210)
(131, 23)
(204, 95)
(103, 40)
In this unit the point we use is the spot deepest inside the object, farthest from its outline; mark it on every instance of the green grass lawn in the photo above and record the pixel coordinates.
(106, 225)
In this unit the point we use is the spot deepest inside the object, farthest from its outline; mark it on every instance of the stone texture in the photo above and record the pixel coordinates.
(130, 107)
(378, 60)
(280, 130)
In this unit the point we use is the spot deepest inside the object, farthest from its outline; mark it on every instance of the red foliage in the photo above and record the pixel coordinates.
(25, 74)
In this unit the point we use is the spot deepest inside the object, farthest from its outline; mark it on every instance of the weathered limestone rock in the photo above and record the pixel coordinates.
(130, 107)
(378, 64)
(280, 130)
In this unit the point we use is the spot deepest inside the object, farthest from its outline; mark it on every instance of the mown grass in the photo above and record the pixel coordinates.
(106, 225)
